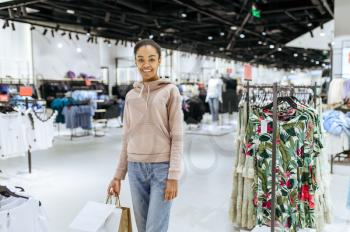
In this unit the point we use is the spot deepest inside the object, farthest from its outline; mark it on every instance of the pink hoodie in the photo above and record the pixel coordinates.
(152, 131)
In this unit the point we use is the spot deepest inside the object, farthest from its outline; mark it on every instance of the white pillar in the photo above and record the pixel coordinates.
(341, 46)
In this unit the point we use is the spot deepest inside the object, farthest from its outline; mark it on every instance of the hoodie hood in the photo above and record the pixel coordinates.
(147, 87)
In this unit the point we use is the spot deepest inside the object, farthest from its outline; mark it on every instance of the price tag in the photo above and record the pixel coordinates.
(263, 126)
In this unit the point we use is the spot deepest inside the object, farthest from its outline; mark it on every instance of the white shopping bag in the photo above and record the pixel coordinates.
(97, 217)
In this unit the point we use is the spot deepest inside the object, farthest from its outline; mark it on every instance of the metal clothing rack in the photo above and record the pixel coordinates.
(276, 89)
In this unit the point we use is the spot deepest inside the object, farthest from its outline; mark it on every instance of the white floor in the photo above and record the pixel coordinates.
(71, 173)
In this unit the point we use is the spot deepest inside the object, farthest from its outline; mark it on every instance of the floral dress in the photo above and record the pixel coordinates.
(298, 144)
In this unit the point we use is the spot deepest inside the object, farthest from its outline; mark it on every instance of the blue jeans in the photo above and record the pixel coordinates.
(147, 185)
(214, 108)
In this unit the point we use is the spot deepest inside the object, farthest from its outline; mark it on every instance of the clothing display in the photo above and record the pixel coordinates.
(22, 132)
(22, 214)
(78, 116)
(302, 194)
(336, 122)
(193, 110)
(214, 89)
(339, 89)
(152, 111)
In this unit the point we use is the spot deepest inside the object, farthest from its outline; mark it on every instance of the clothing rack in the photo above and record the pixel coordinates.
(276, 89)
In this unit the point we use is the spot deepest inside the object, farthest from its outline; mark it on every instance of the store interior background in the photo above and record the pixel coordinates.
(73, 172)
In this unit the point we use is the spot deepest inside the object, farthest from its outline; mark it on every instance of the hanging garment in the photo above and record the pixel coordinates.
(298, 144)
(336, 91)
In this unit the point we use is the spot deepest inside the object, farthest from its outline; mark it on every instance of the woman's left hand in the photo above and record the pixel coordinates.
(170, 190)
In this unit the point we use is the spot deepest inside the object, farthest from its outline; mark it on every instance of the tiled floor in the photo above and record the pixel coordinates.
(71, 173)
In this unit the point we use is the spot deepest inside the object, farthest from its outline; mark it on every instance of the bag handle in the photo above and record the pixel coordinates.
(110, 200)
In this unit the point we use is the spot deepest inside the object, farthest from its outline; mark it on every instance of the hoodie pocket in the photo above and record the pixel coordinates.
(148, 139)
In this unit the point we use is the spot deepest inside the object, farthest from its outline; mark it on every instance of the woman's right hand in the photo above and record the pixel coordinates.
(114, 187)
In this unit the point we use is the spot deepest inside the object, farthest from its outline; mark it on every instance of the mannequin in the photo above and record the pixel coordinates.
(214, 96)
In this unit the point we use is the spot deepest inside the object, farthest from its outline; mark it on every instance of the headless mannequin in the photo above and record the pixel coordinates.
(214, 96)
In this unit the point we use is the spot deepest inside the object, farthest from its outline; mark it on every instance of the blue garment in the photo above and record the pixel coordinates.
(214, 108)
(336, 122)
(58, 104)
(78, 116)
(147, 185)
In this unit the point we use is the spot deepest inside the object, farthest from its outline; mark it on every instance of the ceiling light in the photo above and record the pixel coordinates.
(317, 62)
(295, 54)
(323, 65)
(332, 43)
(264, 43)
(211, 53)
(233, 28)
(279, 49)
(183, 15)
(222, 33)
(322, 34)
(88, 34)
(151, 36)
(272, 46)
(139, 38)
(263, 33)
(70, 11)
(162, 34)
(312, 60)
(59, 45)
(210, 37)
(309, 24)
(272, 56)
(221, 49)
(78, 50)
(260, 42)
(305, 58)
(242, 36)
(24, 10)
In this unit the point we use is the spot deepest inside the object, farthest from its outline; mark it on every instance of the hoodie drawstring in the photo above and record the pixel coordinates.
(147, 97)
(141, 91)
(148, 92)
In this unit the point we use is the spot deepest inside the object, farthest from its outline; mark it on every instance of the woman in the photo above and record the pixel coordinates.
(152, 142)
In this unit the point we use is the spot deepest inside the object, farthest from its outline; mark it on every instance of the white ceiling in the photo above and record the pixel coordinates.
(318, 41)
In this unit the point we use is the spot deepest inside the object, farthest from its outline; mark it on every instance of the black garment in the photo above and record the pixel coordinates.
(193, 109)
(121, 90)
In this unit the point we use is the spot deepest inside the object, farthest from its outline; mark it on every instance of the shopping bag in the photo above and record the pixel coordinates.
(123, 218)
(98, 217)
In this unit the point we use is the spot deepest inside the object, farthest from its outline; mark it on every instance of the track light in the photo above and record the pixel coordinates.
(45, 31)
(11, 14)
(63, 33)
(24, 10)
(242, 36)
(52, 33)
(89, 39)
(57, 27)
(222, 33)
(32, 28)
(272, 46)
(210, 37)
(13, 26)
(70, 36)
(107, 17)
(96, 40)
(311, 34)
(279, 49)
(77, 36)
(151, 36)
(6, 24)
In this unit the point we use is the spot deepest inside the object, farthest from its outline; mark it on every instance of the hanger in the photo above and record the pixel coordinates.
(287, 99)
(4, 191)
